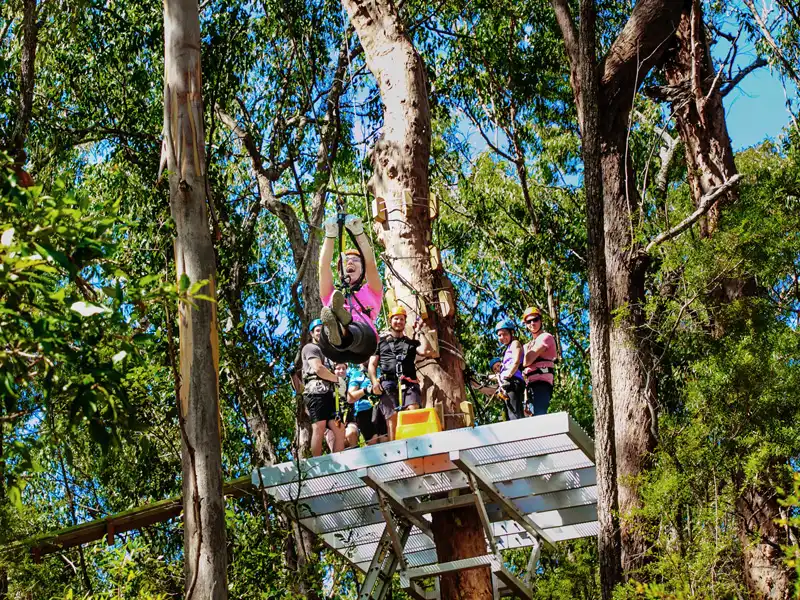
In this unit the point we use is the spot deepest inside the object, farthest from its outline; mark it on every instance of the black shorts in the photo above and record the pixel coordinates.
(321, 407)
(371, 423)
(389, 403)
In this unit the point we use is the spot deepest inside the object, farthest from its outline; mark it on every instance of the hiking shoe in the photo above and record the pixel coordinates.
(331, 326)
(337, 306)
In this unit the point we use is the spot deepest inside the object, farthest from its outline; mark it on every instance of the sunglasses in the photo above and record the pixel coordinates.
(533, 320)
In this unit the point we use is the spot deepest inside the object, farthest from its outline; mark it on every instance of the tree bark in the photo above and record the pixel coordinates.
(765, 573)
(204, 512)
(3, 520)
(400, 164)
(636, 50)
(599, 317)
(694, 91)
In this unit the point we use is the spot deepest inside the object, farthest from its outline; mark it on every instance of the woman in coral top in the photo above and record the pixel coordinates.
(538, 363)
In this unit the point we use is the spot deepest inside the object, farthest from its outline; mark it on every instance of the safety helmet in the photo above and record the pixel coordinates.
(313, 324)
(505, 324)
(397, 309)
(531, 311)
(493, 362)
(352, 252)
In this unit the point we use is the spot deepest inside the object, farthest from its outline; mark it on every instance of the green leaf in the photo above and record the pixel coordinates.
(142, 338)
(184, 283)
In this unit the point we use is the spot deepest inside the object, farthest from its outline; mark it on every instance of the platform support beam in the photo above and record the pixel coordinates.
(378, 580)
(397, 504)
(463, 462)
(536, 551)
(392, 529)
(481, 506)
(495, 563)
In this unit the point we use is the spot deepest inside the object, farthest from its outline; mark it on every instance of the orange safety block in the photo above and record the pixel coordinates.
(411, 423)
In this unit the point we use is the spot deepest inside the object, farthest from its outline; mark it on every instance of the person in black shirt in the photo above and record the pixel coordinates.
(396, 356)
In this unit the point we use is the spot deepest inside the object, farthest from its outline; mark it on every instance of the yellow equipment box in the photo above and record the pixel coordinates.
(411, 423)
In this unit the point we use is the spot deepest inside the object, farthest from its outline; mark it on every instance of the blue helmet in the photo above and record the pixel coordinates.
(505, 324)
(493, 362)
(313, 324)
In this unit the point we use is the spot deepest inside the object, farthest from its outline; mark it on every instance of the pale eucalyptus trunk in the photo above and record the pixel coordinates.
(400, 162)
(205, 559)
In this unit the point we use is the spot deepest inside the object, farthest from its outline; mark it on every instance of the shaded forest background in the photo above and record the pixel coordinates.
(88, 324)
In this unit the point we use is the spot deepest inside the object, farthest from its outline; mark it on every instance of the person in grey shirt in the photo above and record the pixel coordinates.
(318, 394)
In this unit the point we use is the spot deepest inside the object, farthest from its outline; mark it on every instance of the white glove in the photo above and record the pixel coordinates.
(354, 224)
(331, 227)
(341, 385)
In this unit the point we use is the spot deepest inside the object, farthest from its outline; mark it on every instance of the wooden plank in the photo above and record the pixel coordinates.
(108, 527)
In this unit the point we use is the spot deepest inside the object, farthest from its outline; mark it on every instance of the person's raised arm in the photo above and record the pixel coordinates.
(326, 257)
(356, 226)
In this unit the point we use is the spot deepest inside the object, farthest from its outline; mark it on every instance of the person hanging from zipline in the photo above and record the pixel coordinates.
(396, 355)
(318, 394)
(510, 377)
(539, 363)
(349, 312)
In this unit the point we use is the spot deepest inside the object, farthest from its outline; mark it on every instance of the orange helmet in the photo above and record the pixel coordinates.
(531, 311)
(396, 310)
(352, 252)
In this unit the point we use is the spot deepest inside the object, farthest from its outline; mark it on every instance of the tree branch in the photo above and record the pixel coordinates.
(639, 46)
(568, 30)
(790, 70)
(737, 79)
(706, 202)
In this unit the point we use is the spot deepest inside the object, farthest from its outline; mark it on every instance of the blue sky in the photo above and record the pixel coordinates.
(756, 109)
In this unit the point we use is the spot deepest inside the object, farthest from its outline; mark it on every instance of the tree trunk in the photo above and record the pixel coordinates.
(204, 512)
(400, 162)
(599, 317)
(636, 50)
(765, 573)
(3, 520)
(694, 92)
(632, 381)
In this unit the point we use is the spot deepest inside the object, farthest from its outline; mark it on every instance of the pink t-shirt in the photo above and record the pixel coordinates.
(364, 297)
(544, 360)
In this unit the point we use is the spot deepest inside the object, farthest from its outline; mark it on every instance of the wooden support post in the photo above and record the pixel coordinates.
(422, 309)
(379, 210)
(436, 258)
(447, 307)
(110, 533)
(469, 413)
(408, 202)
(433, 338)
